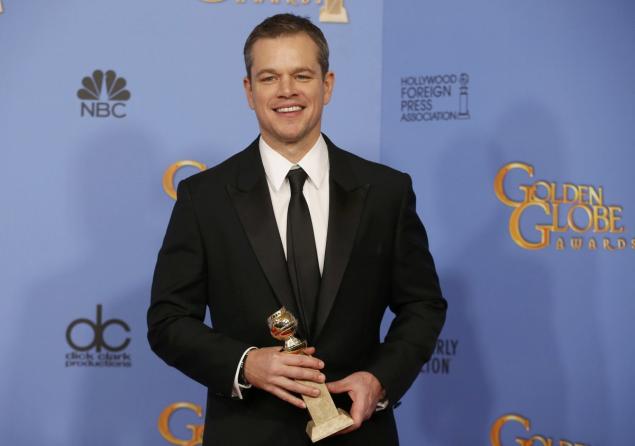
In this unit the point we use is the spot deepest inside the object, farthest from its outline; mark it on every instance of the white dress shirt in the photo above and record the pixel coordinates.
(316, 193)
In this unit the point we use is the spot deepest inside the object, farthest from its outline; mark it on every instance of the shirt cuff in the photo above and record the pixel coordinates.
(382, 405)
(237, 387)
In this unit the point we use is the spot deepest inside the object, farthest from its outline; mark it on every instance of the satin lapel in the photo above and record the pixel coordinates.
(346, 201)
(252, 202)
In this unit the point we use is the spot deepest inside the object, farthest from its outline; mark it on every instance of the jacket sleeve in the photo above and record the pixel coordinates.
(176, 331)
(416, 301)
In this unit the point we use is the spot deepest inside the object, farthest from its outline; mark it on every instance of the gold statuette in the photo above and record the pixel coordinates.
(326, 419)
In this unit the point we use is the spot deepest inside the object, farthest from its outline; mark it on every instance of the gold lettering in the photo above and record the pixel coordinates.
(581, 201)
(584, 193)
(290, 2)
(499, 183)
(593, 245)
(533, 440)
(197, 429)
(621, 244)
(565, 193)
(614, 217)
(596, 196)
(170, 172)
(514, 227)
(601, 222)
(571, 221)
(633, 243)
(548, 195)
(334, 11)
(495, 432)
(555, 220)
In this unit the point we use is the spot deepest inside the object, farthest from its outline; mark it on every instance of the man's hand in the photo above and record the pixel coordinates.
(274, 371)
(365, 390)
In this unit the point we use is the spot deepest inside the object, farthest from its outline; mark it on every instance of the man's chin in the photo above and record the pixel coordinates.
(289, 138)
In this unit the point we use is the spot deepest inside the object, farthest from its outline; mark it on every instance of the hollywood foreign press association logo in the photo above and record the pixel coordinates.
(103, 95)
(92, 347)
(438, 97)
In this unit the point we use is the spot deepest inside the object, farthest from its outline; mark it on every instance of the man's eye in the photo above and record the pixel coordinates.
(267, 79)
(303, 77)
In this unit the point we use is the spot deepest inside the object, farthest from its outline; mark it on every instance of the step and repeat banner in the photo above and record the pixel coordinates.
(515, 120)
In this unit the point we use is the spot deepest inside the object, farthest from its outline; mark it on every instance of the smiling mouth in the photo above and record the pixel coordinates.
(291, 109)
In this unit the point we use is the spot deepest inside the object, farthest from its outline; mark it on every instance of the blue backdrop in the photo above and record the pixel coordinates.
(515, 120)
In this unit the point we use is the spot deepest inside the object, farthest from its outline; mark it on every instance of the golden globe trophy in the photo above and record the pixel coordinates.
(326, 419)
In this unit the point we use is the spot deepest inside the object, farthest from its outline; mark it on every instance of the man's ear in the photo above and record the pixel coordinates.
(249, 92)
(329, 84)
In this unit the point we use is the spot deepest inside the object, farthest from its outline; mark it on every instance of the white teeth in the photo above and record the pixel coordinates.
(289, 109)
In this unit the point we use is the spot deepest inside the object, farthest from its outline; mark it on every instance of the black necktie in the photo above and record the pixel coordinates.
(302, 261)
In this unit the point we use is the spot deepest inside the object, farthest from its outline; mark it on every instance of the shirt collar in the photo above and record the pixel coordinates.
(315, 163)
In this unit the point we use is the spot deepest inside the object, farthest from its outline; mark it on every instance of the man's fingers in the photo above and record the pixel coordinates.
(302, 361)
(358, 411)
(340, 386)
(357, 423)
(357, 414)
(309, 351)
(304, 374)
(275, 372)
(297, 387)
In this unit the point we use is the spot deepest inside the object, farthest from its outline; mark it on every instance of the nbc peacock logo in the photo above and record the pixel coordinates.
(103, 95)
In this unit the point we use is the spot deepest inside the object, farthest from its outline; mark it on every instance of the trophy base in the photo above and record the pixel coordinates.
(328, 427)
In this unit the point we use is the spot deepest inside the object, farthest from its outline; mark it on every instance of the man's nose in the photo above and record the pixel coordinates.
(286, 86)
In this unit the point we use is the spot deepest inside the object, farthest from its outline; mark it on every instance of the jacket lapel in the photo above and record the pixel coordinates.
(346, 201)
(252, 202)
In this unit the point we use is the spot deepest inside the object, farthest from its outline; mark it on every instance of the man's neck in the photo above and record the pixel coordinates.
(293, 152)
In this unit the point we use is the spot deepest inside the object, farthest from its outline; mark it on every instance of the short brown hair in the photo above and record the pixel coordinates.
(287, 24)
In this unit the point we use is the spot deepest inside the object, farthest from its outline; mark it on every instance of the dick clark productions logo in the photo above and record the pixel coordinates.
(100, 102)
(92, 347)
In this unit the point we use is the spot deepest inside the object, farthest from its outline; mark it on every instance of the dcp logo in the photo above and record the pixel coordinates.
(98, 328)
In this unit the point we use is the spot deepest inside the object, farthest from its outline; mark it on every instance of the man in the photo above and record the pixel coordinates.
(295, 221)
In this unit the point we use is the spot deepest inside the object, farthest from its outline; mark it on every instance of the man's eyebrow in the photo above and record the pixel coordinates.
(295, 71)
(302, 69)
(266, 70)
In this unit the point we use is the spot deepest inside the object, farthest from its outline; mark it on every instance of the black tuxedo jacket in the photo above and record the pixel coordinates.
(222, 250)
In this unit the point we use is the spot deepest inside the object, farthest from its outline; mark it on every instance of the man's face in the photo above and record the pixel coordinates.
(287, 90)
